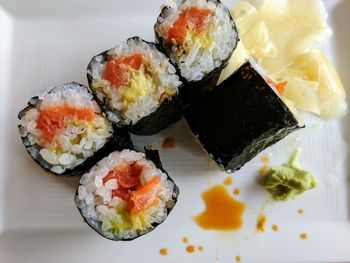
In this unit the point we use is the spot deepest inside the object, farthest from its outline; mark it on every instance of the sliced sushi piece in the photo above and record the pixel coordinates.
(199, 36)
(137, 86)
(65, 131)
(240, 118)
(126, 195)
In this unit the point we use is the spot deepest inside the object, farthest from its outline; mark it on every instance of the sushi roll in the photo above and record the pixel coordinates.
(240, 118)
(199, 36)
(126, 195)
(65, 131)
(137, 86)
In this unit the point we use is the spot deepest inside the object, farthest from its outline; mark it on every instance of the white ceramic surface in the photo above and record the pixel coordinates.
(46, 43)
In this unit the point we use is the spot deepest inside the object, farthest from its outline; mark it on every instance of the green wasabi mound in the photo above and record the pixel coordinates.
(289, 180)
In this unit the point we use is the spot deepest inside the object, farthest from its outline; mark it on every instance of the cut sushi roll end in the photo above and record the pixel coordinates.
(199, 36)
(126, 195)
(132, 81)
(64, 127)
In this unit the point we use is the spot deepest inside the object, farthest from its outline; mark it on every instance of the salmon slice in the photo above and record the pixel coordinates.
(198, 18)
(128, 178)
(144, 197)
(53, 119)
(178, 31)
(194, 18)
(117, 70)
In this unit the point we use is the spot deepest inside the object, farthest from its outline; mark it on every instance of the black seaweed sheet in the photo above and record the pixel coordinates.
(240, 118)
(167, 113)
(152, 155)
(119, 141)
(194, 90)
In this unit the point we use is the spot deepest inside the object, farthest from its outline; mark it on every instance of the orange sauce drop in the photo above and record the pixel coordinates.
(304, 236)
(200, 248)
(228, 181)
(263, 170)
(300, 211)
(222, 212)
(164, 251)
(190, 249)
(236, 191)
(275, 228)
(265, 159)
(238, 258)
(185, 240)
(261, 224)
(168, 143)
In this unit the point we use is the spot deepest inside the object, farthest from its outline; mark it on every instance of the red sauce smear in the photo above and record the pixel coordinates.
(117, 71)
(53, 119)
(194, 18)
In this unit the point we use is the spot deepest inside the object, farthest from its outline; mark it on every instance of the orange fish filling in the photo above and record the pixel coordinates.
(194, 18)
(144, 197)
(139, 197)
(280, 86)
(117, 70)
(53, 119)
(128, 178)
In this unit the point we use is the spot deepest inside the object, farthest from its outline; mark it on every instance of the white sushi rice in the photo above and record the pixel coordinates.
(78, 140)
(164, 77)
(197, 62)
(97, 204)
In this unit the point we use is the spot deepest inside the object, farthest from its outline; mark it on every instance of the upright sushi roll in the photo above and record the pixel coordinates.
(240, 118)
(65, 131)
(199, 36)
(137, 86)
(126, 195)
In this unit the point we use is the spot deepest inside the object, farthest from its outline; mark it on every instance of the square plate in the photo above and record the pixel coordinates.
(46, 43)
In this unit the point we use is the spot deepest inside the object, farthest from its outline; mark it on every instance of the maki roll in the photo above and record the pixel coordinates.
(65, 131)
(199, 36)
(126, 195)
(137, 86)
(240, 118)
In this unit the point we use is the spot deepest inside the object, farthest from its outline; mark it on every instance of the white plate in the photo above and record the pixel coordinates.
(46, 43)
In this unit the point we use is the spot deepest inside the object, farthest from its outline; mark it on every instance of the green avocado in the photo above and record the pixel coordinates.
(289, 180)
(137, 222)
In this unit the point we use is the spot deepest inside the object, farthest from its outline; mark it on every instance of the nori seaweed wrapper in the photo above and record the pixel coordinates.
(152, 155)
(240, 118)
(119, 141)
(167, 113)
(194, 90)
